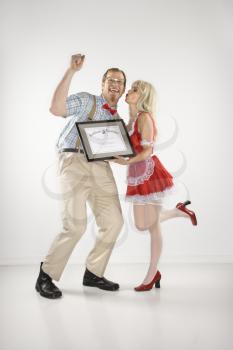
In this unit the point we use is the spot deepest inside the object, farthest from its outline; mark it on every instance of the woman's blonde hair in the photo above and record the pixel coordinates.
(147, 99)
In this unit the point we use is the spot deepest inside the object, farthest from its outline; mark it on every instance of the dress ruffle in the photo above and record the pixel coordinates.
(158, 180)
(151, 197)
(140, 172)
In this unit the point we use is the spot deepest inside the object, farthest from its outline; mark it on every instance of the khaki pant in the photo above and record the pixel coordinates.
(83, 182)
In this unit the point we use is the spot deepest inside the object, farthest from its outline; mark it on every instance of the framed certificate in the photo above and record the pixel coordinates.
(105, 139)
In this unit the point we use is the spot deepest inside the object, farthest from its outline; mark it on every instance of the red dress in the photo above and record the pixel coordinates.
(148, 180)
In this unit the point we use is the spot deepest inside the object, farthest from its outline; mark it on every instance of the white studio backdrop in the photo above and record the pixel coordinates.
(185, 49)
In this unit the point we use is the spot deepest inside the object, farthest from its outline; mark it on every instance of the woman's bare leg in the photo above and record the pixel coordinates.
(147, 217)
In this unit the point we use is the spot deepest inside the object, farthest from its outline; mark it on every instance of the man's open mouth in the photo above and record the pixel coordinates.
(114, 90)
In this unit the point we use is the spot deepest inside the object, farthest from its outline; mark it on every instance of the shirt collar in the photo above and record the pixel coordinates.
(103, 101)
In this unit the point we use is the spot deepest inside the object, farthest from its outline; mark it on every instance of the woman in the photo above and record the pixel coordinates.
(148, 180)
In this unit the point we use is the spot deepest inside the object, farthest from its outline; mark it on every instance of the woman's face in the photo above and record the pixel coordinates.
(132, 95)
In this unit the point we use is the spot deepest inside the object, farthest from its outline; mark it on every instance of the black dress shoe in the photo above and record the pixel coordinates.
(91, 280)
(46, 287)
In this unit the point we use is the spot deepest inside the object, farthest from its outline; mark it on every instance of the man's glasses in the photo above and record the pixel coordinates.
(112, 80)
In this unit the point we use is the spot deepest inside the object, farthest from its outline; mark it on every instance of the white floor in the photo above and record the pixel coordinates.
(192, 310)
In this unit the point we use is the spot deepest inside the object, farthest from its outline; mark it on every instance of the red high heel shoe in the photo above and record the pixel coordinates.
(182, 207)
(155, 281)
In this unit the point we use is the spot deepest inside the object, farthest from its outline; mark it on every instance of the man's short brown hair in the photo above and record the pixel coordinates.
(114, 70)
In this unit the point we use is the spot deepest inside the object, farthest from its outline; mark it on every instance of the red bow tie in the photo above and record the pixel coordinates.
(111, 110)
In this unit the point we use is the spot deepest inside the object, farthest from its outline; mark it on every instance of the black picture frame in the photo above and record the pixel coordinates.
(90, 156)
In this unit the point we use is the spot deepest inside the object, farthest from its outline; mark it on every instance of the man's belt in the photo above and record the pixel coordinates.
(76, 150)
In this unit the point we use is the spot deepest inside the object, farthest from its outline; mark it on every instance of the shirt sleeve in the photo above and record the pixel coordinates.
(76, 103)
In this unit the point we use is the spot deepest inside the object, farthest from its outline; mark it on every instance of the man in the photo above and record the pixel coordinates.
(82, 182)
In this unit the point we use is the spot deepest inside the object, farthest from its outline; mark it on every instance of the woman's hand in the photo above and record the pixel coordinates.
(121, 160)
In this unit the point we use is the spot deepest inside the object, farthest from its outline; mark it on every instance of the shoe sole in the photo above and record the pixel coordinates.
(112, 289)
(47, 296)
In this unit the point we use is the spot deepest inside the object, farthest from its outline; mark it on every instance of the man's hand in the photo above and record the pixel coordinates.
(76, 62)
